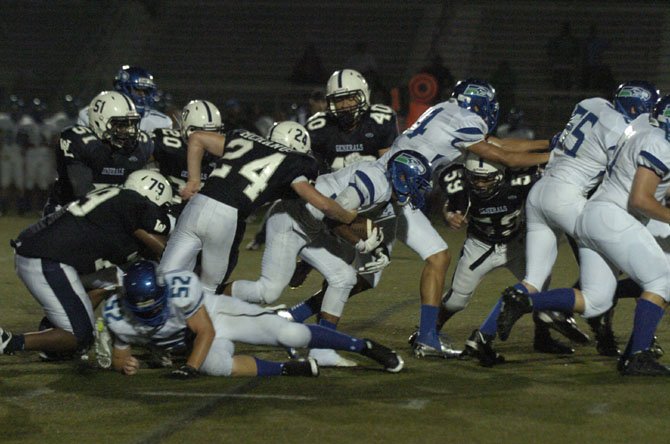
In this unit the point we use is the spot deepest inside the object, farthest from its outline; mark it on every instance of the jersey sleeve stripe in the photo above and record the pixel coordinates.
(655, 161)
(368, 184)
(470, 130)
(359, 192)
(188, 314)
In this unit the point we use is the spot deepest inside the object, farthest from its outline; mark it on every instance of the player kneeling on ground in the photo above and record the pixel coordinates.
(165, 312)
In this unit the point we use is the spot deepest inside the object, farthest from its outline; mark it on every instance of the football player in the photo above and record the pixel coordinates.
(106, 227)
(170, 146)
(294, 228)
(138, 84)
(149, 311)
(11, 155)
(442, 135)
(576, 166)
(489, 200)
(103, 153)
(251, 171)
(613, 235)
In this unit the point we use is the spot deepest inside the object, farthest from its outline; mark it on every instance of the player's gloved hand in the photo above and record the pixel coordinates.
(184, 372)
(368, 245)
(455, 220)
(380, 260)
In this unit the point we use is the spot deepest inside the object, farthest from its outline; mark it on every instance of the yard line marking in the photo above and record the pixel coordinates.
(229, 395)
(415, 404)
(195, 413)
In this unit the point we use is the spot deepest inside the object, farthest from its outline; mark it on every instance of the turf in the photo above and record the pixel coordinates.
(532, 398)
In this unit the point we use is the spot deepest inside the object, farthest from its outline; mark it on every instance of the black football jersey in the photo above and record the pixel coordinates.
(498, 219)
(377, 130)
(95, 231)
(99, 163)
(254, 171)
(170, 151)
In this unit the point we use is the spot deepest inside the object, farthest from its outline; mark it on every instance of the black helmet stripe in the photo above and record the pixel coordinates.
(209, 112)
(339, 78)
(128, 102)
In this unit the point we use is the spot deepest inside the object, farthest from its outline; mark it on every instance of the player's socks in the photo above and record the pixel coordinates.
(559, 299)
(268, 368)
(307, 308)
(427, 332)
(490, 325)
(323, 337)
(327, 324)
(627, 288)
(646, 320)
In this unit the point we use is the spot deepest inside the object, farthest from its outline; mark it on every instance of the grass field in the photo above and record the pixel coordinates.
(533, 398)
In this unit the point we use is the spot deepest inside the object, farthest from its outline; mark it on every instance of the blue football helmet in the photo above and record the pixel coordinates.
(145, 297)
(409, 173)
(478, 96)
(138, 84)
(660, 115)
(635, 97)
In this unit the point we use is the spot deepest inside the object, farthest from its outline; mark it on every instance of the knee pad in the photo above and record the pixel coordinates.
(219, 360)
(594, 306)
(292, 334)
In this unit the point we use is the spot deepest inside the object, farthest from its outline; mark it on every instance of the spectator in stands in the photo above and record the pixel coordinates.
(362, 60)
(11, 155)
(515, 127)
(563, 53)
(309, 68)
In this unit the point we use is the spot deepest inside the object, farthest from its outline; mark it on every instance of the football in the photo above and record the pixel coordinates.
(362, 227)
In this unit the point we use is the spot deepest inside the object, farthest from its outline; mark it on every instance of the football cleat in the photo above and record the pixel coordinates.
(480, 346)
(642, 363)
(330, 358)
(547, 344)
(606, 343)
(302, 270)
(388, 358)
(102, 345)
(253, 245)
(656, 348)
(5, 338)
(302, 367)
(563, 324)
(420, 350)
(515, 304)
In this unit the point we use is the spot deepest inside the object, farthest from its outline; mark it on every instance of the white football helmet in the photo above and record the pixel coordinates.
(150, 184)
(483, 177)
(347, 84)
(113, 118)
(291, 134)
(199, 115)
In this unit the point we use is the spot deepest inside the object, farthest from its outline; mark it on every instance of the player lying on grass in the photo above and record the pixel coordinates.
(175, 313)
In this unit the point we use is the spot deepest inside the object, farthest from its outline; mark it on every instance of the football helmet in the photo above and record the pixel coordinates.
(660, 115)
(113, 118)
(478, 96)
(199, 115)
(409, 173)
(138, 84)
(635, 97)
(150, 184)
(291, 134)
(347, 97)
(144, 296)
(483, 178)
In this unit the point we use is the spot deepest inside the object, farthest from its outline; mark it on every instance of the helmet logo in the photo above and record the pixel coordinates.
(634, 91)
(412, 162)
(478, 90)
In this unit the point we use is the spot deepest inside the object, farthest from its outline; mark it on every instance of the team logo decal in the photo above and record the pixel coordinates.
(411, 161)
(634, 91)
(478, 90)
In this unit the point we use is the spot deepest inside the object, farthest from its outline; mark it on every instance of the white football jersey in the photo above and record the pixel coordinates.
(442, 134)
(642, 144)
(151, 120)
(581, 155)
(185, 297)
(8, 129)
(367, 179)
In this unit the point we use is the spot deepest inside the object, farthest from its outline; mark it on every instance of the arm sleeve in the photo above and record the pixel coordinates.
(81, 178)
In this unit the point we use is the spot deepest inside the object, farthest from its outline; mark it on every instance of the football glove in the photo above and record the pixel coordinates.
(368, 245)
(380, 260)
(184, 372)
